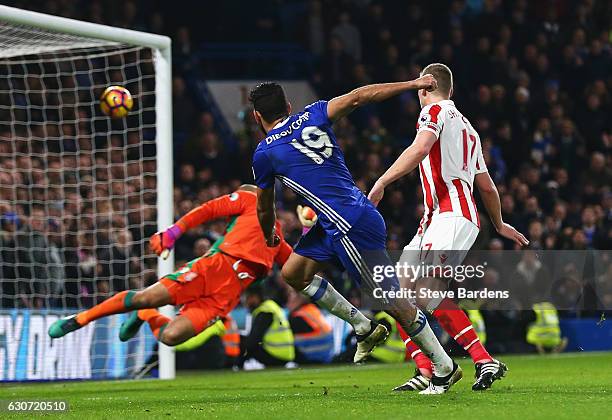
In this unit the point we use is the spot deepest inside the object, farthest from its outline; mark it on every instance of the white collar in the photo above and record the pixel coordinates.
(280, 124)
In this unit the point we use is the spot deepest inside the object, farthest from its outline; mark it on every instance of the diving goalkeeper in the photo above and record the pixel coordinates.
(207, 288)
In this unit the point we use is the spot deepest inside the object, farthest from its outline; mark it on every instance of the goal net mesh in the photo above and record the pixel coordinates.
(77, 200)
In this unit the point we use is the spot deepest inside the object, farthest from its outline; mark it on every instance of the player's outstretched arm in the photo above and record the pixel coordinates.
(490, 198)
(266, 213)
(404, 164)
(343, 105)
(228, 205)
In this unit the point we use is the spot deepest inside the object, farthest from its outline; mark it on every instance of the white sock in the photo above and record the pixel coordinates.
(324, 295)
(423, 336)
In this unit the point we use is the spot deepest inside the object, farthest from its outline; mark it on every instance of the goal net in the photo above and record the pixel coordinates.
(78, 193)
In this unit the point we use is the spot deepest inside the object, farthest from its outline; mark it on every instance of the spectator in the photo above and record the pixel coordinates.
(314, 341)
(598, 174)
(182, 120)
(117, 261)
(335, 65)
(46, 277)
(312, 29)
(270, 341)
(201, 247)
(589, 227)
(349, 35)
(13, 274)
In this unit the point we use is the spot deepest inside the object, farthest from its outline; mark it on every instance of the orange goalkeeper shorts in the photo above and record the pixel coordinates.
(208, 287)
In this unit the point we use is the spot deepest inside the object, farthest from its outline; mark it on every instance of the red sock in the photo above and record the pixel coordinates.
(456, 323)
(156, 320)
(421, 361)
(121, 302)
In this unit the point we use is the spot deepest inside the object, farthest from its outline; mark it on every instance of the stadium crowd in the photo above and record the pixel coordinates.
(535, 78)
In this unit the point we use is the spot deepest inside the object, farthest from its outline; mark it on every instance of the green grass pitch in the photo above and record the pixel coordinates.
(569, 386)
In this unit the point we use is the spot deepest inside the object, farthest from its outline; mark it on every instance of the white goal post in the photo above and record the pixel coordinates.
(161, 58)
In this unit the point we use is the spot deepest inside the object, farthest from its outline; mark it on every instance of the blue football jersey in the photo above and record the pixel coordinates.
(302, 152)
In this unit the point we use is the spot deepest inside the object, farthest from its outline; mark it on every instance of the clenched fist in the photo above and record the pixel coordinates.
(427, 82)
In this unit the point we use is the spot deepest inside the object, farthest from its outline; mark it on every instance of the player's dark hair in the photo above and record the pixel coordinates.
(443, 76)
(269, 100)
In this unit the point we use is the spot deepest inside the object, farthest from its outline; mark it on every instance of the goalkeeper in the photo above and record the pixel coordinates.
(207, 288)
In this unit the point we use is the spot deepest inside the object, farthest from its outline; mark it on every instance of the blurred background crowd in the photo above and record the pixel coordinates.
(77, 189)
(535, 79)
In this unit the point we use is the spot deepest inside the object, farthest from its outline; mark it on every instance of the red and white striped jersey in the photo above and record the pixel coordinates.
(447, 173)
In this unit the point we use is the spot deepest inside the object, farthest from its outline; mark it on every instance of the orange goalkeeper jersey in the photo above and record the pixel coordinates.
(243, 237)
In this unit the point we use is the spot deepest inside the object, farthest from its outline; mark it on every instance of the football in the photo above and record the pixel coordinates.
(116, 101)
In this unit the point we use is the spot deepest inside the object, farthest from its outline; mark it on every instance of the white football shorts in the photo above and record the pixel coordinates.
(446, 241)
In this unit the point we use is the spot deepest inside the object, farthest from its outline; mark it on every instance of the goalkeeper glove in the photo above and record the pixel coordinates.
(164, 240)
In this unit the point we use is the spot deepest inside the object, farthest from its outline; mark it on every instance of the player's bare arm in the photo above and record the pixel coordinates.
(490, 198)
(404, 164)
(343, 105)
(266, 213)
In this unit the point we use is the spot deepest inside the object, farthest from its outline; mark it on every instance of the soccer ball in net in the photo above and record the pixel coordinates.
(116, 101)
